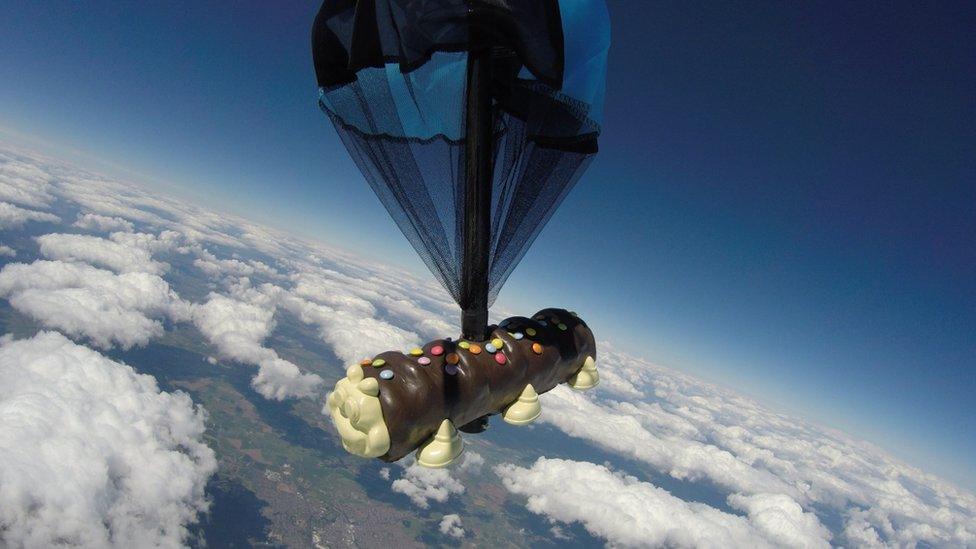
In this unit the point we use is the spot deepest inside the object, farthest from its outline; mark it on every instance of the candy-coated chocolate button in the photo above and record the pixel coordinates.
(378, 362)
(518, 335)
(450, 369)
(423, 361)
(561, 326)
(453, 358)
(464, 345)
(543, 323)
(536, 348)
(437, 350)
(498, 343)
(386, 374)
(490, 347)
(365, 362)
(475, 349)
(500, 358)
(416, 351)
(530, 331)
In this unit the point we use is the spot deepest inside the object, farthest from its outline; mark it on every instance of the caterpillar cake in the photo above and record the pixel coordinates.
(395, 403)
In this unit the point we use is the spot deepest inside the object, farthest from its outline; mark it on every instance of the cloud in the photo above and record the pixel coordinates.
(620, 428)
(235, 327)
(105, 224)
(232, 269)
(451, 526)
(471, 461)
(781, 520)
(12, 217)
(23, 182)
(85, 301)
(127, 257)
(7, 251)
(279, 379)
(630, 513)
(238, 328)
(351, 335)
(423, 485)
(93, 454)
(698, 432)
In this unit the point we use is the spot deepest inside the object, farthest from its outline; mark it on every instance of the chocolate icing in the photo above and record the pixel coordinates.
(419, 398)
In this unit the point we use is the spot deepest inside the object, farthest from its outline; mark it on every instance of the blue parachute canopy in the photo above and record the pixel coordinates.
(394, 78)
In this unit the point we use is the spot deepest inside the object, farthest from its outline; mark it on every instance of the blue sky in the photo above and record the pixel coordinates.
(784, 202)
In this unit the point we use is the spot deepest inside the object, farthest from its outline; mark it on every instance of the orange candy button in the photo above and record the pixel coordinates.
(365, 362)
(453, 358)
(537, 348)
(475, 349)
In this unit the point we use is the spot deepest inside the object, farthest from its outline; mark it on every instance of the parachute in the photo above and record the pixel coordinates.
(470, 119)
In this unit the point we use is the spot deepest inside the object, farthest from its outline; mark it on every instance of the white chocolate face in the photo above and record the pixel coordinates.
(357, 415)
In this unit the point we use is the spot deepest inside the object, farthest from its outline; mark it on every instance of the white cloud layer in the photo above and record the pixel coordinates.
(12, 217)
(238, 329)
(128, 257)
(83, 301)
(423, 485)
(103, 223)
(696, 432)
(93, 454)
(24, 181)
(451, 526)
(631, 513)
(668, 422)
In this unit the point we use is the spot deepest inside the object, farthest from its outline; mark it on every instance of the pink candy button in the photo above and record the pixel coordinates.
(500, 358)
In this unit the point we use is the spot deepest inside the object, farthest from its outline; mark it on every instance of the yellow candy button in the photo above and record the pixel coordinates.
(378, 362)
(416, 351)
(530, 331)
(464, 345)
(498, 343)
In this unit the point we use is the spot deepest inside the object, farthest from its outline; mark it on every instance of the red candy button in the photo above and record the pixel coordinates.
(500, 358)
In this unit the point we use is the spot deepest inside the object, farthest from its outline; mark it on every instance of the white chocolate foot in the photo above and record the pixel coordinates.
(586, 378)
(524, 410)
(442, 448)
